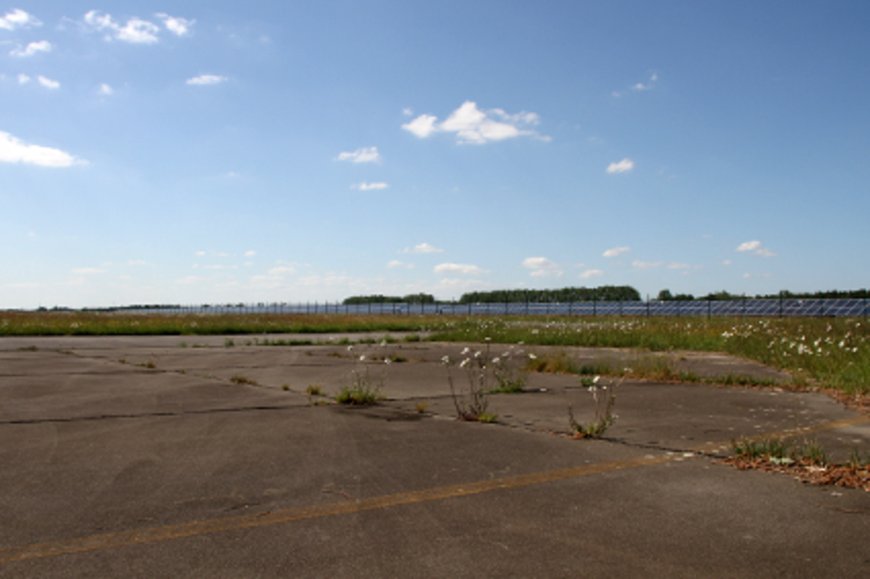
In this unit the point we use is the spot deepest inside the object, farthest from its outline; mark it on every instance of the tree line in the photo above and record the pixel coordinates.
(666, 296)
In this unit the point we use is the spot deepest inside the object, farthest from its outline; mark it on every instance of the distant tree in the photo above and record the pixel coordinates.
(665, 295)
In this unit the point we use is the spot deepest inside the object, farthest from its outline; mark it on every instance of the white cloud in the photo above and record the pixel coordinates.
(378, 186)
(250, 253)
(32, 49)
(174, 24)
(649, 85)
(616, 251)
(23, 79)
(48, 83)
(472, 125)
(422, 126)
(591, 273)
(361, 155)
(679, 266)
(408, 112)
(282, 270)
(423, 248)
(396, 264)
(542, 267)
(463, 268)
(638, 264)
(623, 166)
(12, 150)
(755, 247)
(18, 18)
(106, 90)
(206, 80)
(134, 31)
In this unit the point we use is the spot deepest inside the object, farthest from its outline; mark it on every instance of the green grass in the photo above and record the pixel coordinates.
(115, 324)
(358, 395)
(831, 353)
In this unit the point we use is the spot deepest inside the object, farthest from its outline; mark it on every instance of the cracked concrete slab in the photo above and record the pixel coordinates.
(113, 467)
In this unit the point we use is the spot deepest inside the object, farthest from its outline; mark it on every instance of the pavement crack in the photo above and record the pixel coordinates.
(661, 447)
(157, 414)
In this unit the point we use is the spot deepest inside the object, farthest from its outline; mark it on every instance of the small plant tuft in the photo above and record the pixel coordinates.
(243, 380)
(604, 400)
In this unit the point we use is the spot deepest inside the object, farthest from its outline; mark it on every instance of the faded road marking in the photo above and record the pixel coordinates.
(106, 541)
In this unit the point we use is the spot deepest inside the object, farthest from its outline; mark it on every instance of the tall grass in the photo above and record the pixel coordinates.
(833, 353)
(112, 324)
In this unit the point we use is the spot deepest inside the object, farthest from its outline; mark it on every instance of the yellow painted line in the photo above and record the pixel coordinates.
(120, 539)
(116, 540)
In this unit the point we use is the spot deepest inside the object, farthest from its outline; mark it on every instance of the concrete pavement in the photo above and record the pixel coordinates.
(151, 457)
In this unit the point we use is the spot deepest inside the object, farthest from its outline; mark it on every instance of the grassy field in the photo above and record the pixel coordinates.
(830, 353)
(826, 352)
(112, 324)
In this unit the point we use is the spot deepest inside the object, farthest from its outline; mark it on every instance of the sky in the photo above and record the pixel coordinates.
(194, 152)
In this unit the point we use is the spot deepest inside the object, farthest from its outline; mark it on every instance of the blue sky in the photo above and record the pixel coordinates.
(214, 151)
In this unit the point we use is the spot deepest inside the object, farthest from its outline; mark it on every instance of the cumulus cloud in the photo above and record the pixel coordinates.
(32, 49)
(616, 251)
(105, 90)
(134, 31)
(591, 274)
(23, 79)
(422, 126)
(13, 150)
(623, 166)
(48, 83)
(18, 18)
(423, 248)
(542, 267)
(361, 155)
(755, 247)
(396, 264)
(206, 80)
(377, 186)
(472, 125)
(463, 268)
(175, 24)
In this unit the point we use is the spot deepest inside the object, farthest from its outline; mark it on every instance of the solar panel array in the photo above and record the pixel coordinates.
(736, 308)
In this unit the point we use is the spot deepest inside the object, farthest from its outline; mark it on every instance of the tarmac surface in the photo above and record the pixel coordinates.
(205, 456)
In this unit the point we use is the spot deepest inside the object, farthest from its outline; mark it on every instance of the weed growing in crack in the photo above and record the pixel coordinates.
(365, 388)
(242, 380)
(778, 452)
(509, 370)
(473, 404)
(604, 400)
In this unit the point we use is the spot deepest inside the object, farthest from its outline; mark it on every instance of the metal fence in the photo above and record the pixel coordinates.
(735, 308)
